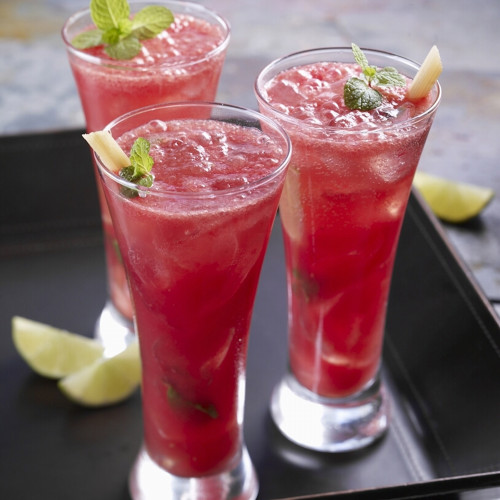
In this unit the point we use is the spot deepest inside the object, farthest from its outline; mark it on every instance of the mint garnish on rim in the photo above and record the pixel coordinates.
(359, 93)
(139, 169)
(135, 168)
(121, 35)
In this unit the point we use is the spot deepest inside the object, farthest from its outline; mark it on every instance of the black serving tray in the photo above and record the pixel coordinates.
(441, 359)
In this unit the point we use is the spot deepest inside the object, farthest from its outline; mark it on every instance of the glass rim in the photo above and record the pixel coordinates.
(259, 84)
(212, 194)
(218, 19)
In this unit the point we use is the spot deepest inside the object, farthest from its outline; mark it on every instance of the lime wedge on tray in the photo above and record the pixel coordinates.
(452, 201)
(85, 375)
(52, 352)
(106, 381)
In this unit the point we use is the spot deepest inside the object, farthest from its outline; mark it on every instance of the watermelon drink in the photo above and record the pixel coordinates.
(193, 246)
(342, 209)
(183, 63)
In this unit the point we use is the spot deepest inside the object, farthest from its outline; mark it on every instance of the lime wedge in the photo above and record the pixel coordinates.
(52, 352)
(107, 381)
(452, 201)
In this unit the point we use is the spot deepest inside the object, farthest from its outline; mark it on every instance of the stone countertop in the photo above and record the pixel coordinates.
(37, 91)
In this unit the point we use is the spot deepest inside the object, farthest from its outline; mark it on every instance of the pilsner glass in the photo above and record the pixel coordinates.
(188, 70)
(193, 246)
(342, 209)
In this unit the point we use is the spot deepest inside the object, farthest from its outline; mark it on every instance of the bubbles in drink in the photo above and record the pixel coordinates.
(208, 157)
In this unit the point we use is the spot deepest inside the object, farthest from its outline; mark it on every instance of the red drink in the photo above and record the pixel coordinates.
(193, 247)
(342, 209)
(181, 64)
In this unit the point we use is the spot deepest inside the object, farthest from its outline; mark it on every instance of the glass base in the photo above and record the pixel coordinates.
(114, 330)
(148, 481)
(330, 425)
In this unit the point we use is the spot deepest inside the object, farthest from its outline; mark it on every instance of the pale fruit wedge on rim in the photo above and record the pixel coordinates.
(452, 201)
(107, 381)
(427, 75)
(52, 352)
(108, 150)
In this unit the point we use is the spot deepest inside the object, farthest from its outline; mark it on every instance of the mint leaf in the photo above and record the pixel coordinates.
(176, 400)
(87, 39)
(359, 56)
(139, 169)
(146, 180)
(124, 49)
(388, 76)
(151, 21)
(121, 44)
(127, 173)
(106, 14)
(118, 32)
(209, 410)
(359, 92)
(125, 27)
(359, 95)
(139, 157)
(111, 36)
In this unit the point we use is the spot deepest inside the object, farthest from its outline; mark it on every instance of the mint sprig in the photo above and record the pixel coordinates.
(359, 93)
(121, 35)
(139, 170)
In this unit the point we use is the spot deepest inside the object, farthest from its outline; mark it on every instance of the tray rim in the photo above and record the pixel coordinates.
(422, 489)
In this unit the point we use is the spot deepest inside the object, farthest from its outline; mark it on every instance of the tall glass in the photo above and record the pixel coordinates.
(184, 65)
(193, 246)
(342, 209)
